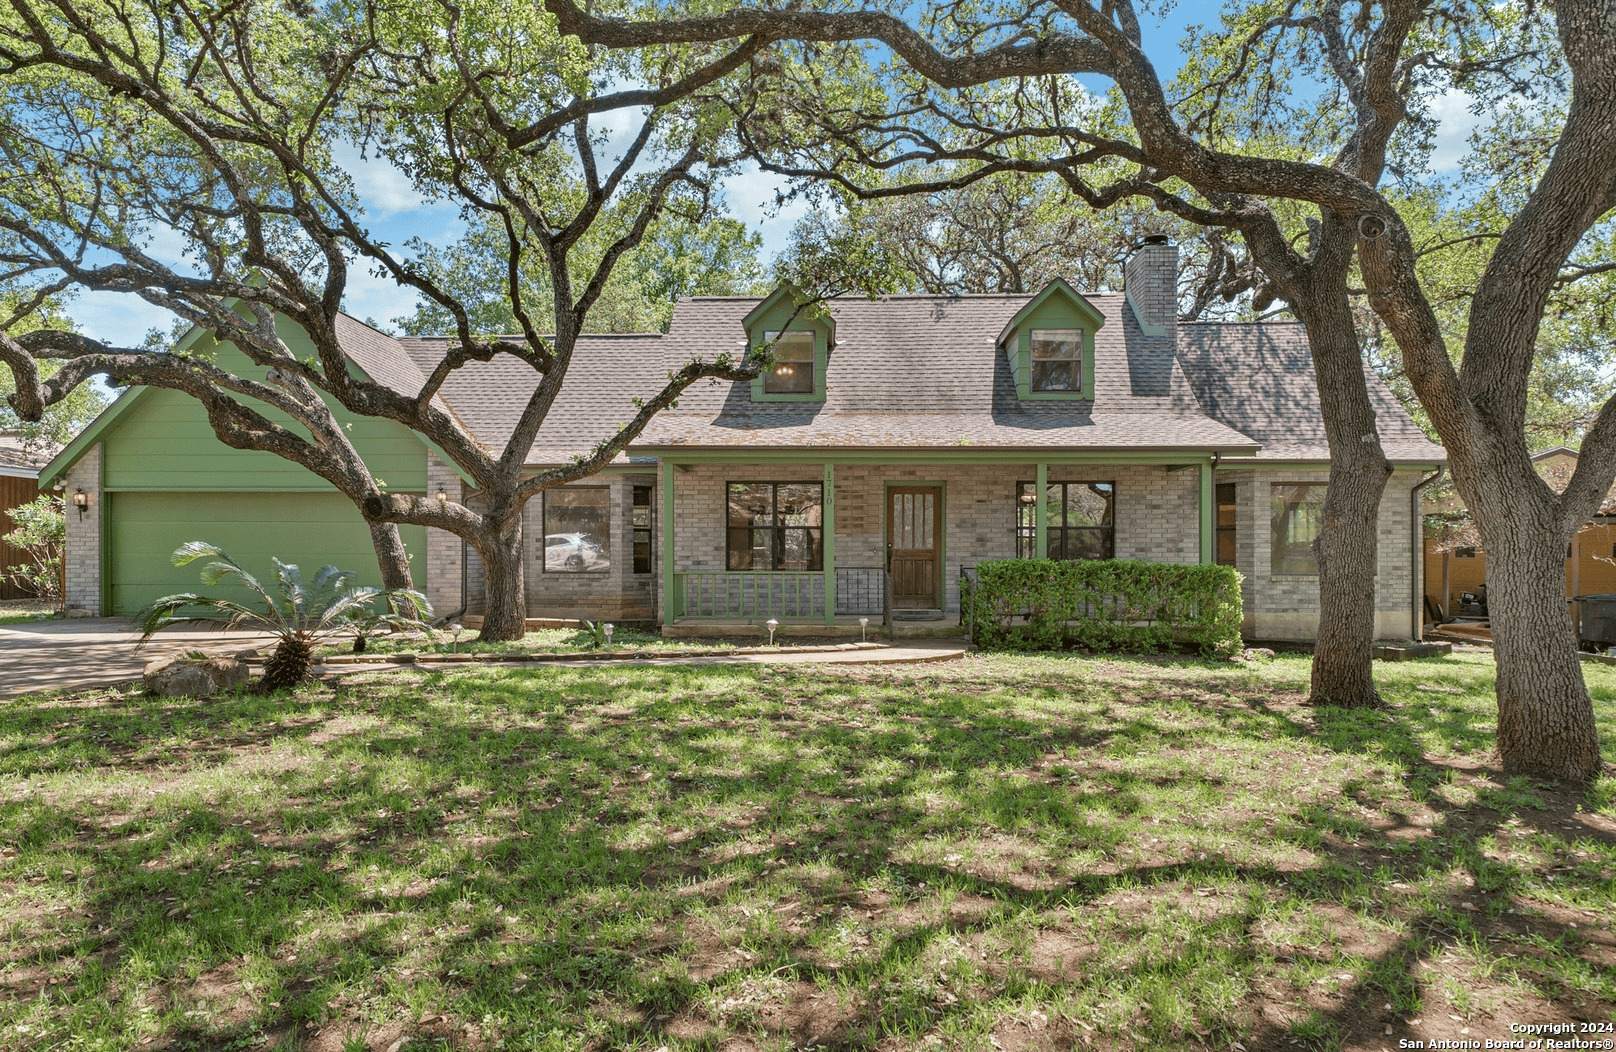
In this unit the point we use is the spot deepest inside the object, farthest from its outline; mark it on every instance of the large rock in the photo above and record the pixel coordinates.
(191, 677)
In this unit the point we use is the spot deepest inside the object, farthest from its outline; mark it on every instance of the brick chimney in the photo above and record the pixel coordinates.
(1150, 280)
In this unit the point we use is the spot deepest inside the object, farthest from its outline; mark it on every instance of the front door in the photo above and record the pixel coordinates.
(914, 546)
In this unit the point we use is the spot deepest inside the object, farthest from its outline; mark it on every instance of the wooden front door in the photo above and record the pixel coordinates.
(914, 545)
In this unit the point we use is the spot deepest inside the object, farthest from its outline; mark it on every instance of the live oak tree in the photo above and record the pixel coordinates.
(214, 127)
(1241, 143)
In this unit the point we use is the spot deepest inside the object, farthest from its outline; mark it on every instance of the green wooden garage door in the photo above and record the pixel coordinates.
(310, 529)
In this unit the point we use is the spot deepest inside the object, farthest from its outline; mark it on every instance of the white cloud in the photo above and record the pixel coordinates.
(382, 187)
(379, 298)
(752, 196)
(117, 318)
(1455, 122)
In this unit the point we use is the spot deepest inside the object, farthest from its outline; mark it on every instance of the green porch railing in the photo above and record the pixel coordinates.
(751, 596)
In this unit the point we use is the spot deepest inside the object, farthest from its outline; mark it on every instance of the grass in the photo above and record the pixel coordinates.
(1002, 852)
(22, 611)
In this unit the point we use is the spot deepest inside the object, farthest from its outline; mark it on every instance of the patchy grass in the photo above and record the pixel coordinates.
(1004, 852)
(22, 611)
(537, 641)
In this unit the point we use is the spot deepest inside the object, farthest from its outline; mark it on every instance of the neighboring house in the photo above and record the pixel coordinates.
(19, 484)
(1453, 570)
(934, 431)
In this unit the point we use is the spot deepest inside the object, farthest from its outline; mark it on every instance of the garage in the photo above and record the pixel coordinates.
(309, 529)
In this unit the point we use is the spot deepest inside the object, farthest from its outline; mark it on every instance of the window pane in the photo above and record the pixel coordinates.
(642, 551)
(1088, 504)
(797, 504)
(793, 369)
(1063, 344)
(577, 529)
(751, 504)
(1057, 376)
(740, 549)
(1296, 514)
(1055, 541)
(1092, 543)
(800, 549)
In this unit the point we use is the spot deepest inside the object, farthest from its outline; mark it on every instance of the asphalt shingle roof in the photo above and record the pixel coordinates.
(914, 372)
(1258, 378)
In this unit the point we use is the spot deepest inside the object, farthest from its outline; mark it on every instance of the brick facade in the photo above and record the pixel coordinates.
(444, 577)
(83, 545)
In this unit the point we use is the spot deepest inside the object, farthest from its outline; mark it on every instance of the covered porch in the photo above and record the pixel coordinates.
(750, 537)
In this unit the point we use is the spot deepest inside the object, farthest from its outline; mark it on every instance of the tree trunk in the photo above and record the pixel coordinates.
(1545, 719)
(1347, 547)
(390, 555)
(505, 613)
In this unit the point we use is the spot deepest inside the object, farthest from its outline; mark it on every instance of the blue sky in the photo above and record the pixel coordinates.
(396, 212)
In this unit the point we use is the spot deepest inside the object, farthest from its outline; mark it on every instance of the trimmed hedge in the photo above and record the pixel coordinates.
(1112, 604)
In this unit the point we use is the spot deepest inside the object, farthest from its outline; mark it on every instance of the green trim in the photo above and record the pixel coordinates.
(64, 461)
(668, 598)
(103, 539)
(1209, 552)
(1040, 513)
(953, 455)
(827, 504)
(1082, 315)
(1316, 465)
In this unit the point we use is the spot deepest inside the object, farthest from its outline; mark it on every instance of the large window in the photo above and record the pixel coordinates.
(793, 369)
(1057, 359)
(578, 529)
(641, 526)
(1226, 524)
(1080, 520)
(776, 526)
(1296, 511)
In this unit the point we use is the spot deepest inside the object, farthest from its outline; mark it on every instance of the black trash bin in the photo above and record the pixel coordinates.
(1598, 618)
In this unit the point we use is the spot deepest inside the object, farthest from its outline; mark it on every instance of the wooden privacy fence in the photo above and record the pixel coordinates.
(14, 492)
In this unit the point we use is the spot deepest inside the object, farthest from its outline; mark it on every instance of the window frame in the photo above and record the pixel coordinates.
(779, 338)
(1026, 535)
(777, 541)
(761, 336)
(1273, 543)
(1079, 336)
(545, 532)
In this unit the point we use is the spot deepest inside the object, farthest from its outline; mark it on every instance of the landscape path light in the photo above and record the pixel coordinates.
(771, 624)
(864, 630)
(607, 629)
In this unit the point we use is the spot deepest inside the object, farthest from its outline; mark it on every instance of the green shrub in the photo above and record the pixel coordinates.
(1114, 604)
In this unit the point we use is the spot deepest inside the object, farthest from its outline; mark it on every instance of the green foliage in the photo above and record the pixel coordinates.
(299, 616)
(1113, 604)
(41, 532)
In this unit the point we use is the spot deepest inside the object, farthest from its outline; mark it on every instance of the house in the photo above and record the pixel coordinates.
(931, 432)
(1455, 566)
(20, 462)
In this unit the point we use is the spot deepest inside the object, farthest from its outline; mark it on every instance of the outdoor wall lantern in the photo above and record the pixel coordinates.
(81, 501)
(443, 496)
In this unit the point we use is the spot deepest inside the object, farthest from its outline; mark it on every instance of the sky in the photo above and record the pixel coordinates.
(396, 212)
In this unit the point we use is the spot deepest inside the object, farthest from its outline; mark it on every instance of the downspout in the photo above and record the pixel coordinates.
(1416, 551)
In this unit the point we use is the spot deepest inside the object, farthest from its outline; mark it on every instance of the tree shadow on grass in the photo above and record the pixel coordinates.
(578, 851)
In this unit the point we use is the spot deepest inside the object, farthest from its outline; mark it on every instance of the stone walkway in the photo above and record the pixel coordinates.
(100, 652)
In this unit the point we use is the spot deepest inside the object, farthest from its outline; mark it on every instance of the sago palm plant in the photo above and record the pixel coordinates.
(299, 616)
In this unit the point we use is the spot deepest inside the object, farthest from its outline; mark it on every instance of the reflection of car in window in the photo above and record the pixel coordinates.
(572, 552)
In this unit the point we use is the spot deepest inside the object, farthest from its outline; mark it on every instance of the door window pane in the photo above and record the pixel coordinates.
(1296, 513)
(577, 529)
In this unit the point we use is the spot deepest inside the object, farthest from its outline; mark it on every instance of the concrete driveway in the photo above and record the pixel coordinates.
(94, 652)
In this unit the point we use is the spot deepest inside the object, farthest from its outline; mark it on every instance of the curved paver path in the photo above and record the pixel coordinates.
(100, 652)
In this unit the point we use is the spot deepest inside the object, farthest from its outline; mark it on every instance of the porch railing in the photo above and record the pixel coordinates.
(787, 595)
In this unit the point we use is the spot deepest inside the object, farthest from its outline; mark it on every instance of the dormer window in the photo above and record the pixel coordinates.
(1057, 359)
(793, 369)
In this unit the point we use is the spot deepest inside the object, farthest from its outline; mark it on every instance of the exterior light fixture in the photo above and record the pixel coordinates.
(771, 624)
(457, 628)
(442, 495)
(1029, 498)
(607, 630)
(864, 630)
(81, 501)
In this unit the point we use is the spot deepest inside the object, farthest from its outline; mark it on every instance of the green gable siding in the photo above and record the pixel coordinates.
(309, 529)
(165, 443)
(775, 315)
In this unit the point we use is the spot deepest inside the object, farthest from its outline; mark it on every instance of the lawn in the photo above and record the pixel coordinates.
(1029, 852)
(22, 611)
(537, 641)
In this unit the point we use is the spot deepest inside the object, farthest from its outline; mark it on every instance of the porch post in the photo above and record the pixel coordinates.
(1209, 510)
(828, 533)
(667, 542)
(1040, 513)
